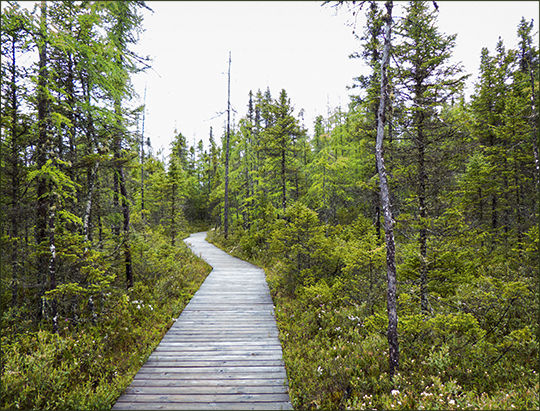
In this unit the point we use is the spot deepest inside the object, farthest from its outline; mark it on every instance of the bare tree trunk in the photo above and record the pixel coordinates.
(173, 214)
(15, 179)
(89, 198)
(143, 215)
(283, 177)
(226, 205)
(391, 301)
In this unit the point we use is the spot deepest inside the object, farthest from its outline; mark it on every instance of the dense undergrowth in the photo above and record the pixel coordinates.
(478, 348)
(94, 356)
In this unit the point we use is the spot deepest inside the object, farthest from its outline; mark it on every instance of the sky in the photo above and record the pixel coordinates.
(302, 47)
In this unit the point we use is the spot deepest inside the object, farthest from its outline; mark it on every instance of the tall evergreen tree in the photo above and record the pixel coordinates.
(427, 81)
(124, 23)
(15, 140)
(278, 145)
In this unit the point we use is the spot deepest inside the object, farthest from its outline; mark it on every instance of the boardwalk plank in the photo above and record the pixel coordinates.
(194, 375)
(229, 355)
(207, 406)
(262, 389)
(205, 398)
(212, 383)
(213, 370)
(218, 363)
(223, 352)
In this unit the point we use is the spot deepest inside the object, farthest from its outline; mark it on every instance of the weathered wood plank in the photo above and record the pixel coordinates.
(213, 326)
(213, 332)
(205, 398)
(216, 363)
(210, 376)
(207, 406)
(218, 354)
(223, 352)
(212, 383)
(262, 389)
(220, 339)
(270, 343)
(215, 357)
(209, 369)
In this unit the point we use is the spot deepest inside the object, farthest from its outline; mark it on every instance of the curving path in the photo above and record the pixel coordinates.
(223, 352)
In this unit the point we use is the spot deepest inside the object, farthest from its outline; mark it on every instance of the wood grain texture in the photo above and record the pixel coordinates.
(223, 352)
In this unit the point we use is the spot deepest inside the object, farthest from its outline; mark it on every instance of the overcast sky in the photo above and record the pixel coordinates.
(301, 47)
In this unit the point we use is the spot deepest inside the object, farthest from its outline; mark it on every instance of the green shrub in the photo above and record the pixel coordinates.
(88, 364)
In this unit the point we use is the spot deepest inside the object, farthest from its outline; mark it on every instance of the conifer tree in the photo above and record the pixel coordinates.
(278, 146)
(425, 75)
(124, 22)
(15, 125)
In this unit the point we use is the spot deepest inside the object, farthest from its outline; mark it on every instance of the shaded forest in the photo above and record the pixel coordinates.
(94, 269)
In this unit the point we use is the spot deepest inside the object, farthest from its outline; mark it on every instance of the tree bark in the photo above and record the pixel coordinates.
(15, 178)
(422, 212)
(143, 214)
(41, 157)
(173, 212)
(226, 205)
(283, 176)
(391, 294)
(127, 245)
(120, 184)
(52, 259)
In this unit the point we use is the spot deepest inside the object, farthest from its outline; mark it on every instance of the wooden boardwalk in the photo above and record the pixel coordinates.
(223, 352)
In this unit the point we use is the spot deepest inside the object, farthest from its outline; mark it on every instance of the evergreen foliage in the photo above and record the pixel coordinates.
(92, 277)
(74, 233)
(464, 196)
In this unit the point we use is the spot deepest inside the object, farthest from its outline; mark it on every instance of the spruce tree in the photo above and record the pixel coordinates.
(426, 81)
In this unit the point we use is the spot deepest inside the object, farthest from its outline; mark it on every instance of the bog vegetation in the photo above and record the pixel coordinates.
(94, 270)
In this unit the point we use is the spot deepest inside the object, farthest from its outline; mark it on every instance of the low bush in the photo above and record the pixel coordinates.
(478, 349)
(88, 364)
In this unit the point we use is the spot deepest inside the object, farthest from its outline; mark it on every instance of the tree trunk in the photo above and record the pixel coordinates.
(391, 301)
(283, 178)
(52, 260)
(422, 212)
(173, 213)
(41, 157)
(143, 214)
(120, 185)
(15, 179)
(127, 245)
(226, 205)
(534, 124)
(116, 196)
(88, 206)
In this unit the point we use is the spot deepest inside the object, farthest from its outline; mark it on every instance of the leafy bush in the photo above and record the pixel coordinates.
(477, 350)
(88, 364)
